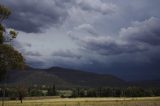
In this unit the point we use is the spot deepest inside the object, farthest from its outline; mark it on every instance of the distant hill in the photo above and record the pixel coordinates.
(62, 77)
(67, 78)
(86, 78)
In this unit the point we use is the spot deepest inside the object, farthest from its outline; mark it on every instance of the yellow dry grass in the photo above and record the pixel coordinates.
(147, 101)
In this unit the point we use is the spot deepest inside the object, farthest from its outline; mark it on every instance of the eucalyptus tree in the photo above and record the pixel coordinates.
(10, 58)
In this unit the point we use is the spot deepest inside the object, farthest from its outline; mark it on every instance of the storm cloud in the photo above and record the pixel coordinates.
(103, 36)
(147, 32)
(137, 38)
(34, 16)
(97, 6)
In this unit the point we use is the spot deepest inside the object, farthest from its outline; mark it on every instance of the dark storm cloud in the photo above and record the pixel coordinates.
(34, 16)
(87, 28)
(66, 54)
(105, 46)
(120, 37)
(97, 6)
(147, 31)
(137, 38)
(35, 63)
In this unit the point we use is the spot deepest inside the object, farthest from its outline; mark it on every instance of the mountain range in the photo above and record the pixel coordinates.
(67, 78)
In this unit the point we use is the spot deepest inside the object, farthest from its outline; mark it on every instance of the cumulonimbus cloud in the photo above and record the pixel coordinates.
(32, 16)
(66, 54)
(147, 32)
(97, 6)
(136, 38)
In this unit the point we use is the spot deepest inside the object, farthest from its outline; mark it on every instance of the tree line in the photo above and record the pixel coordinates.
(21, 92)
(116, 92)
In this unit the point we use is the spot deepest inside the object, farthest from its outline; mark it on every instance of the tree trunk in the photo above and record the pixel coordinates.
(21, 101)
(3, 92)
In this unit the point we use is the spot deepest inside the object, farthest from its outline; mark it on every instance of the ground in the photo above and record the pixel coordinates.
(147, 101)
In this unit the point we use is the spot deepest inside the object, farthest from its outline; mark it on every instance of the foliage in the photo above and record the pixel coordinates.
(52, 91)
(4, 12)
(12, 94)
(116, 92)
(9, 57)
(83, 92)
(22, 92)
(36, 92)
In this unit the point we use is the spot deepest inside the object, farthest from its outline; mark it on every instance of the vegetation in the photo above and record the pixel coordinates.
(52, 91)
(116, 92)
(20, 92)
(62, 77)
(9, 57)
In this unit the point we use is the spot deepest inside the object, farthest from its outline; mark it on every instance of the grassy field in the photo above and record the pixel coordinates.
(150, 101)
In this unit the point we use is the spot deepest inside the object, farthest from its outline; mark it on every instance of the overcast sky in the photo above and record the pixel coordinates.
(120, 37)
